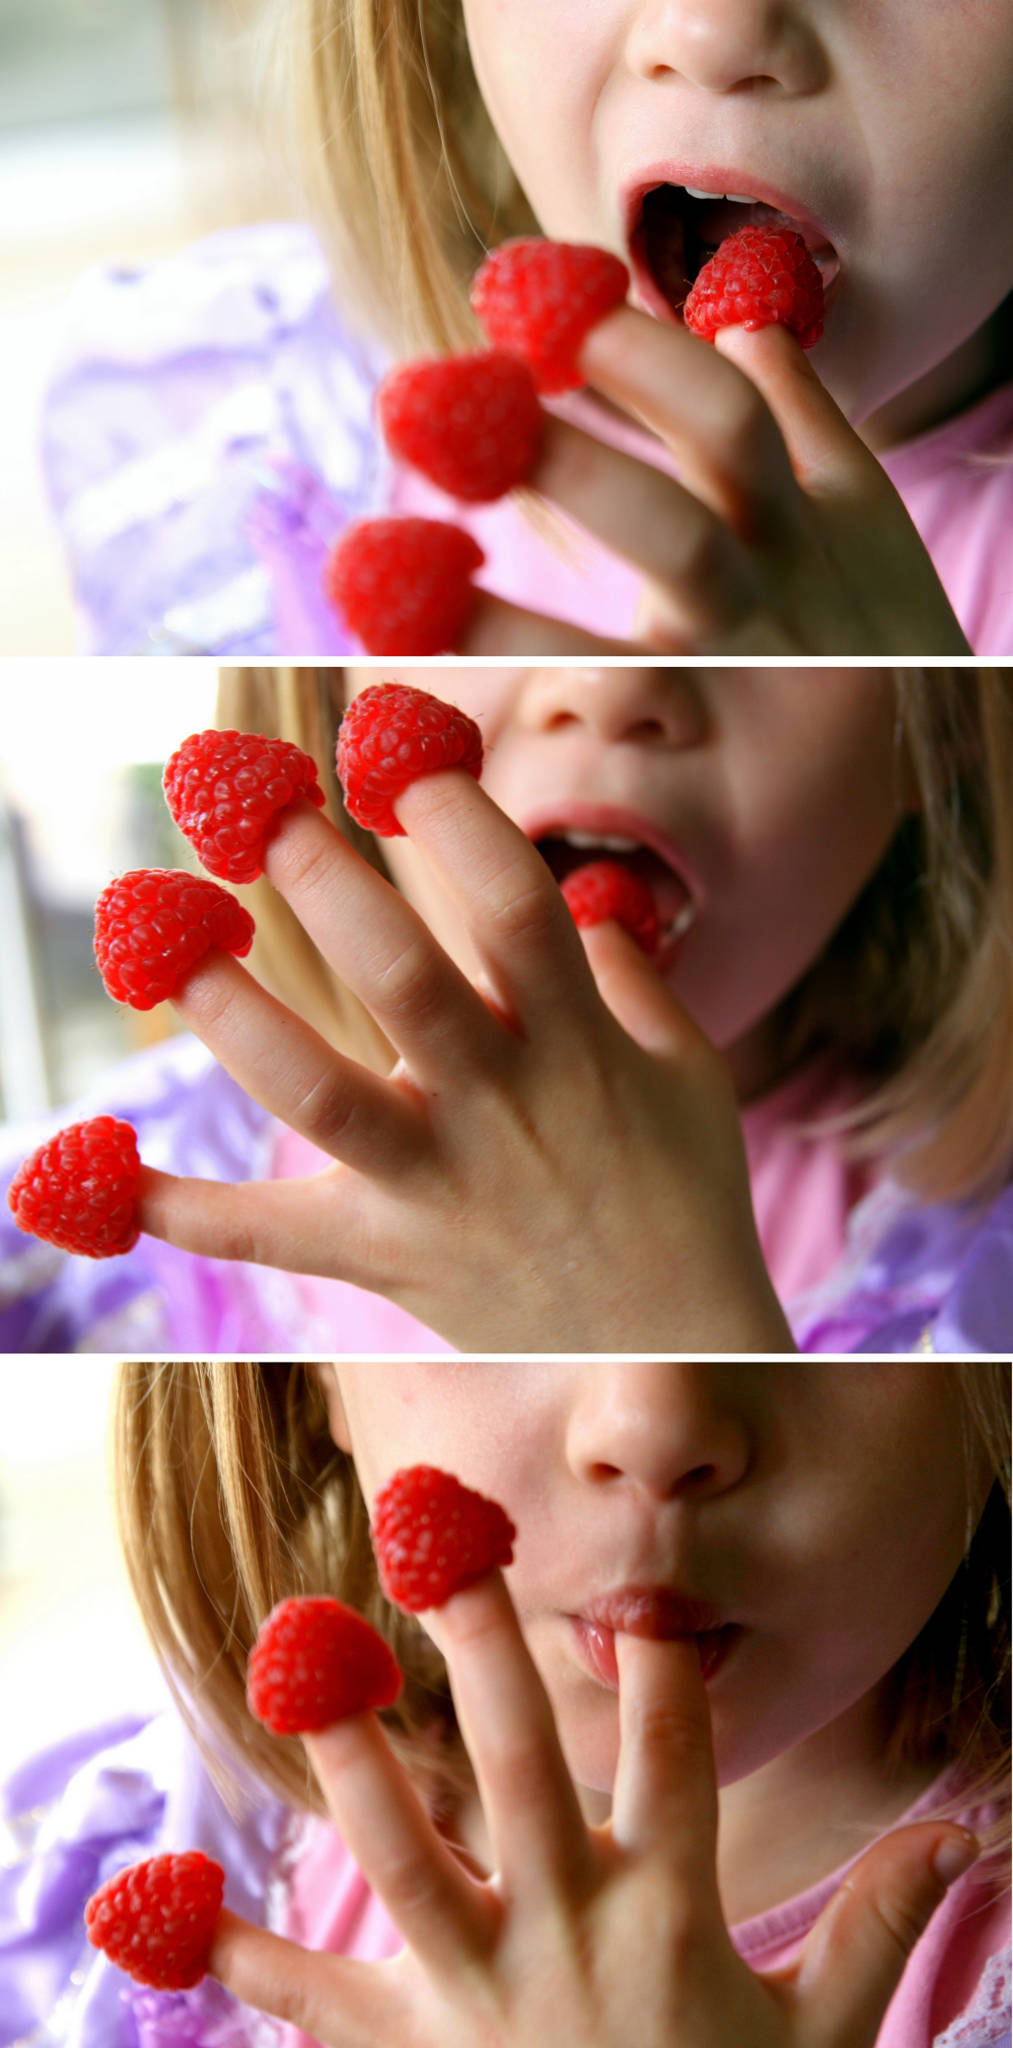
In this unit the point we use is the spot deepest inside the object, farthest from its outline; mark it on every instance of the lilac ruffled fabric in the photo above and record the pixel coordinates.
(206, 434)
(931, 1277)
(72, 1817)
(912, 1278)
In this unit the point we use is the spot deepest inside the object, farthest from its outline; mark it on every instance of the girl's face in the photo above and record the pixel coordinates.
(766, 799)
(881, 129)
(822, 1510)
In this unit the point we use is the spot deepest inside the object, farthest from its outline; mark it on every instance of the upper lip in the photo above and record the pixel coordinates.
(612, 819)
(661, 1612)
(716, 178)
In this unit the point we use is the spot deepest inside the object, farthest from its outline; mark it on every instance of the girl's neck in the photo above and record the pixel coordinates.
(978, 367)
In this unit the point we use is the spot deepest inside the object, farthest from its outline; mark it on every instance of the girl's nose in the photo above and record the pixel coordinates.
(653, 707)
(675, 1431)
(720, 45)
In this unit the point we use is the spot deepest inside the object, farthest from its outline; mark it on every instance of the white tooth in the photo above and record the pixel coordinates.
(682, 922)
(613, 844)
(740, 198)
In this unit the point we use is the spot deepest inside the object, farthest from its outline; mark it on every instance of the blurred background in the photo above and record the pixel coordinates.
(72, 1650)
(82, 748)
(128, 128)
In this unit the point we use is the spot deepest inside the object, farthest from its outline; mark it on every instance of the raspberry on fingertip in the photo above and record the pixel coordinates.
(432, 1536)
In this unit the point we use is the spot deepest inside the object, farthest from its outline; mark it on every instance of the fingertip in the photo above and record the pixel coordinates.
(955, 1855)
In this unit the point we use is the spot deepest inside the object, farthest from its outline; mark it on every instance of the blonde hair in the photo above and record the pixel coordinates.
(232, 1496)
(399, 154)
(914, 991)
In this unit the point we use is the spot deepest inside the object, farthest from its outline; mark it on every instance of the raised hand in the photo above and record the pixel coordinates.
(555, 1163)
(588, 1937)
(783, 534)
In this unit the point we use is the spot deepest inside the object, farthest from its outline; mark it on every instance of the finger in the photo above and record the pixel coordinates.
(291, 1071)
(344, 2004)
(495, 627)
(636, 995)
(539, 1837)
(860, 506)
(443, 1914)
(855, 1956)
(650, 520)
(310, 1225)
(720, 430)
(381, 949)
(824, 450)
(516, 917)
(665, 1799)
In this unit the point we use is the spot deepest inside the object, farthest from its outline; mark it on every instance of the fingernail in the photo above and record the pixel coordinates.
(954, 1856)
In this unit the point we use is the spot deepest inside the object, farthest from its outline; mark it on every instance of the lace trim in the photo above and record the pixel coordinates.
(986, 2024)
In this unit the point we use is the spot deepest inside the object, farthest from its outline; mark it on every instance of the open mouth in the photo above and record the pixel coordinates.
(565, 849)
(678, 229)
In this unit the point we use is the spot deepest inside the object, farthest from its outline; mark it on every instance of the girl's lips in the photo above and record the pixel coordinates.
(649, 854)
(596, 1645)
(670, 231)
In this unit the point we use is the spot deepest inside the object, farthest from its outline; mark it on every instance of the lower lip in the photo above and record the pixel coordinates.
(597, 1647)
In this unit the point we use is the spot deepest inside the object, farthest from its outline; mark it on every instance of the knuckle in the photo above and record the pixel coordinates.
(747, 430)
(901, 1921)
(411, 982)
(305, 869)
(523, 1771)
(665, 1729)
(529, 912)
(410, 1881)
(326, 1109)
(704, 554)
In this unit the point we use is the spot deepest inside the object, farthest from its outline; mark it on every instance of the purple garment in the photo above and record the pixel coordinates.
(912, 1278)
(207, 431)
(931, 1277)
(75, 1815)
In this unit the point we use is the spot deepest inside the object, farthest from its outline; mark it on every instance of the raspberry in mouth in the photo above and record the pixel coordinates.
(565, 851)
(679, 230)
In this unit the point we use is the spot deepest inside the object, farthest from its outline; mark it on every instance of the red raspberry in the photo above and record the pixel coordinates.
(432, 1536)
(404, 585)
(315, 1662)
(79, 1189)
(759, 277)
(539, 299)
(472, 423)
(153, 925)
(391, 735)
(228, 791)
(603, 889)
(157, 1920)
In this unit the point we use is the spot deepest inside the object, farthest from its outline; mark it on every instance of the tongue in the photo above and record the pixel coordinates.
(670, 894)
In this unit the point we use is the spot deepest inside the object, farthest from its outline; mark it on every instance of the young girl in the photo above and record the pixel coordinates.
(209, 432)
(533, 1834)
(799, 1133)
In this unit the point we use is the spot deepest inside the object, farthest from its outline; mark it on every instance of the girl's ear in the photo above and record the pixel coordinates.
(327, 1380)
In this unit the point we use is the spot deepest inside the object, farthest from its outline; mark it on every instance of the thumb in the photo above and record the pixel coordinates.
(823, 447)
(855, 1956)
(636, 995)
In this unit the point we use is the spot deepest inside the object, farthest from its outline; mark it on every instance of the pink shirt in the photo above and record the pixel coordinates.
(954, 1993)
